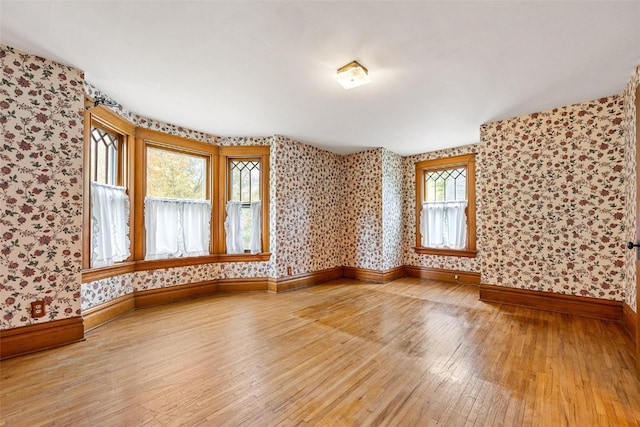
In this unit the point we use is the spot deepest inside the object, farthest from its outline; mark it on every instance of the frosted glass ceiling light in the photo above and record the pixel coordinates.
(352, 75)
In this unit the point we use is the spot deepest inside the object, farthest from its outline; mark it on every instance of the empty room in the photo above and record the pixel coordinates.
(324, 213)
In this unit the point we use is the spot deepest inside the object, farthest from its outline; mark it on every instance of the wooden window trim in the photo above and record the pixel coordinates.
(132, 174)
(257, 152)
(111, 122)
(464, 160)
(151, 138)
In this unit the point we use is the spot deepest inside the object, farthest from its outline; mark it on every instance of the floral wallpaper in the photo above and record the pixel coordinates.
(391, 209)
(104, 290)
(553, 201)
(41, 122)
(409, 214)
(152, 124)
(307, 208)
(546, 181)
(245, 140)
(629, 126)
(361, 203)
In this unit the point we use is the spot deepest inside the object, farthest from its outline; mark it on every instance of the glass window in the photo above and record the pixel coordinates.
(105, 147)
(245, 188)
(176, 175)
(445, 206)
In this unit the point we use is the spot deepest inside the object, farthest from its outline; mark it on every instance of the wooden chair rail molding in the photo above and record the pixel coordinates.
(29, 339)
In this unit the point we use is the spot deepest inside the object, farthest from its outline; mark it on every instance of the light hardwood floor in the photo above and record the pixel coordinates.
(406, 353)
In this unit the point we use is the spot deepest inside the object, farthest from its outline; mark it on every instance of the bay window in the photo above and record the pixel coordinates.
(154, 200)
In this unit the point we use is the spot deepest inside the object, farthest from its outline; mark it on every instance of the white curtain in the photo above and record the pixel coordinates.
(256, 227)
(233, 227)
(443, 224)
(176, 227)
(235, 231)
(196, 224)
(456, 224)
(109, 224)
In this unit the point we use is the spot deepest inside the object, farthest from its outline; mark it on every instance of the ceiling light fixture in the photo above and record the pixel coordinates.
(352, 75)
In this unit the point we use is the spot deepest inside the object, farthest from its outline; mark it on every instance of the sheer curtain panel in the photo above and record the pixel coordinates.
(176, 227)
(443, 224)
(233, 227)
(256, 227)
(196, 221)
(109, 224)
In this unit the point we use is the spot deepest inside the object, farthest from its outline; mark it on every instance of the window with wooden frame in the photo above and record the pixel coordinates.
(446, 206)
(185, 183)
(175, 188)
(245, 201)
(107, 230)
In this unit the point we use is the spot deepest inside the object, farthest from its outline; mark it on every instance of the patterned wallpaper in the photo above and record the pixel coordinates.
(629, 126)
(409, 214)
(576, 152)
(41, 120)
(307, 204)
(361, 202)
(152, 124)
(391, 209)
(553, 200)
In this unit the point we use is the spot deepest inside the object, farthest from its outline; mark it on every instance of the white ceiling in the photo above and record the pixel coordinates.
(438, 69)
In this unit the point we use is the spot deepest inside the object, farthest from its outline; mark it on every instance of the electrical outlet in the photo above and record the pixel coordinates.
(37, 309)
(289, 271)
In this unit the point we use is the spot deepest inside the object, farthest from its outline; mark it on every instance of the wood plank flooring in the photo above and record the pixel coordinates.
(407, 353)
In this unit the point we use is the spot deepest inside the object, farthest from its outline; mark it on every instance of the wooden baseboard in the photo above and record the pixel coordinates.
(629, 320)
(393, 274)
(307, 279)
(153, 297)
(375, 276)
(363, 274)
(110, 310)
(442, 275)
(254, 284)
(42, 336)
(559, 303)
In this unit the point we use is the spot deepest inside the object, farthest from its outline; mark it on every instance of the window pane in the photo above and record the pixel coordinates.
(244, 176)
(175, 175)
(104, 156)
(446, 185)
(245, 180)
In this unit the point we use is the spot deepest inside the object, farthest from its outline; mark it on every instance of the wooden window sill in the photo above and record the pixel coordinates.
(446, 252)
(142, 265)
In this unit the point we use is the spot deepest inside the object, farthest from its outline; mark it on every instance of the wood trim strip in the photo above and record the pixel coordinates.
(41, 336)
(254, 284)
(108, 311)
(169, 294)
(629, 320)
(376, 276)
(393, 274)
(559, 303)
(363, 274)
(466, 277)
(306, 279)
(90, 275)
